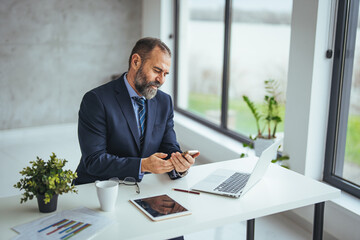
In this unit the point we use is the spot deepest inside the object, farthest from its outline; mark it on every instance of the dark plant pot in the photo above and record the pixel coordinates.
(50, 206)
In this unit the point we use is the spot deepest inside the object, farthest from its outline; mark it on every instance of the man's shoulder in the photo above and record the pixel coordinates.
(162, 96)
(163, 101)
(107, 87)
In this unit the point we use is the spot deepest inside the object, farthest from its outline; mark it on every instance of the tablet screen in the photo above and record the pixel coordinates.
(160, 207)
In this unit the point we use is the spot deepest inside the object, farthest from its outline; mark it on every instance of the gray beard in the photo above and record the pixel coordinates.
(143, 86)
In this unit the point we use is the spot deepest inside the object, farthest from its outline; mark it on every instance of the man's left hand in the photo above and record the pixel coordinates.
(182, 164)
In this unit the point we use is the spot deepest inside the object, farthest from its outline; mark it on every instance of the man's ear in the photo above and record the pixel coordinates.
(135, 61)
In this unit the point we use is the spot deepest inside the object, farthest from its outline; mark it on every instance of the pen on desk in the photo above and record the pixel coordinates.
(186, 191)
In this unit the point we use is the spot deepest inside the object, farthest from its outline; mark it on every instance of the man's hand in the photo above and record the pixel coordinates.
(181, 164)
(156, 164)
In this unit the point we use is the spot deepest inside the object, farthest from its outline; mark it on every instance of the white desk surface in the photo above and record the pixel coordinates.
(280, 190)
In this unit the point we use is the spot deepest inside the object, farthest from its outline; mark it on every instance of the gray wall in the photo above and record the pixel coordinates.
(52, 52)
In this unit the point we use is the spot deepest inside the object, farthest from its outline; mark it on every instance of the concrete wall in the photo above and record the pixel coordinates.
(52, 52)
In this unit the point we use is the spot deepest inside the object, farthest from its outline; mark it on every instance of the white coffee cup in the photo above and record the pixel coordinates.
(107, 192)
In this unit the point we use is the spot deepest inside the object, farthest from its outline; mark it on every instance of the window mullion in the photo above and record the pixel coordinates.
(226, 64)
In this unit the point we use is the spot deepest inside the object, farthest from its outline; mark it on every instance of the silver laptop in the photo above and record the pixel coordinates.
(235, 184)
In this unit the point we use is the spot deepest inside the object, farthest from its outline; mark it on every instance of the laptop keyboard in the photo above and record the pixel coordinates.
(234, 183)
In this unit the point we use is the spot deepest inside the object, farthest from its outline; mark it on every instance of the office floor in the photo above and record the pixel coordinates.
(19, 146)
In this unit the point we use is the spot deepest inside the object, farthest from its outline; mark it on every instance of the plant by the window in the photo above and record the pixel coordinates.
(270, 114)
(46, 178)
(280, 160)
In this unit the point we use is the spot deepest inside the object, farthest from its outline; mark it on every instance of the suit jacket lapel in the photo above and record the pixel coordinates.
(125, 103)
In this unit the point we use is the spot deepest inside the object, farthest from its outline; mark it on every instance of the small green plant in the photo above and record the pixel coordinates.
(46, 178)
(270, 115)
(280, 160)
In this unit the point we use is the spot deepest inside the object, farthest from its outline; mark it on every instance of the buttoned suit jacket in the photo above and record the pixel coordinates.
(109, 136)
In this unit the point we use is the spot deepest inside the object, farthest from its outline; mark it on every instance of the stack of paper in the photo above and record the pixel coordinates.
(80, 223)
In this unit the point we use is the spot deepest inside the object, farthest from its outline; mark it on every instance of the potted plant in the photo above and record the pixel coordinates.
(267, 119)
(46, 180)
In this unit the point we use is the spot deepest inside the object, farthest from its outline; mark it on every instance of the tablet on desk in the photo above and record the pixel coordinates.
(160, 207)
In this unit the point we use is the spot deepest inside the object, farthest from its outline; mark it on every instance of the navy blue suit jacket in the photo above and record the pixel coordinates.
(108, 133)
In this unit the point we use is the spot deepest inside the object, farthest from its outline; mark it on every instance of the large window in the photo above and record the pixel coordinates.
(200, 55)
(342, 163)
(226, 49)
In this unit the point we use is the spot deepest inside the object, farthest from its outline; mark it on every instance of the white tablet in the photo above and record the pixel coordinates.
(160, 207)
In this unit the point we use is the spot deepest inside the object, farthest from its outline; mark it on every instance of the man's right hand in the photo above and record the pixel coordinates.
(156, 164)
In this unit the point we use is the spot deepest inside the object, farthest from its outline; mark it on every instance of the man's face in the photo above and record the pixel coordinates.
(151, 74)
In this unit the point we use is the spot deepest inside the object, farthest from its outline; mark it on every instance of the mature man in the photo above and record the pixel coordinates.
(125, 126)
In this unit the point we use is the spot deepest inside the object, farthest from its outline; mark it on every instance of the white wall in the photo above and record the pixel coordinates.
(308, 91)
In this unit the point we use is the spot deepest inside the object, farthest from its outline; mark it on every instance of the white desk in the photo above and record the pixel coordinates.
(280, 190)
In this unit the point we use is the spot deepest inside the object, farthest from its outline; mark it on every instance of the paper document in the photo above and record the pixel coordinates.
(79, 223)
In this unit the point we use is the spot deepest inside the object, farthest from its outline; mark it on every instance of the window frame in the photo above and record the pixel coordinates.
(346, 27)
(222, 128)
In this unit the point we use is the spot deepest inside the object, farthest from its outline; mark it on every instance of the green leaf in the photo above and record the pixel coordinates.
(283, 158)
(254, 111)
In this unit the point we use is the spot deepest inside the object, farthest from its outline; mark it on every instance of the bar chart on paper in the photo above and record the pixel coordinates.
(64, 229)
(79, 223)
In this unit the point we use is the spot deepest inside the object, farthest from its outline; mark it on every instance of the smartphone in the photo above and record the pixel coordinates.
(190, 152)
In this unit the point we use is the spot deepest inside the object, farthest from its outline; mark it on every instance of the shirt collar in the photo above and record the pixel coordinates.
(131, 91)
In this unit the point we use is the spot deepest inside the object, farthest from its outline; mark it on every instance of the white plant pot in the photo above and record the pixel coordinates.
(260, 144)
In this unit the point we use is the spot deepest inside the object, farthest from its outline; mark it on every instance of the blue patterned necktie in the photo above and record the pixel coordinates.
(142, 117)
